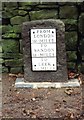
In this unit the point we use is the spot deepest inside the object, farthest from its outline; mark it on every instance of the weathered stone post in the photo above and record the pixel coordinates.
(44, 51)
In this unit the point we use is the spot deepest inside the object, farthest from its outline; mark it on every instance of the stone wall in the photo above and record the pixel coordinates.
(15, 13)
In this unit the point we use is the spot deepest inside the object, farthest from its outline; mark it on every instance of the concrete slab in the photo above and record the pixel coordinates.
(19, 83)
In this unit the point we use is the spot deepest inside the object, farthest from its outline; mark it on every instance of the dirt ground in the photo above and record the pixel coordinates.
(64, 103)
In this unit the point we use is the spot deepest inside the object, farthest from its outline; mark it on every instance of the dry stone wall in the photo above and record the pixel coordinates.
(15, 13)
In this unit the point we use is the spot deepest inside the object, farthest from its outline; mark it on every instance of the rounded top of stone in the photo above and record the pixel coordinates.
(55, 21)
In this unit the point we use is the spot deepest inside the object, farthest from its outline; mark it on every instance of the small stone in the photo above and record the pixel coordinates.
(33, 99)
(18, 92)
(57, 110)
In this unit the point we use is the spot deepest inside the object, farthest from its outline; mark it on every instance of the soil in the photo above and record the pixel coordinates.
(61, 103)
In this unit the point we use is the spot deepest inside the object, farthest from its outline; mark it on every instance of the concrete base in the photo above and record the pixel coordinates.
(21, 84)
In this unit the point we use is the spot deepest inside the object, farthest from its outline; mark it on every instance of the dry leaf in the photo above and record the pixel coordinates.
(68, 91)
(12, 75)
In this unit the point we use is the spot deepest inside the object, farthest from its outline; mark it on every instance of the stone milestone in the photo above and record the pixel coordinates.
(44, 51)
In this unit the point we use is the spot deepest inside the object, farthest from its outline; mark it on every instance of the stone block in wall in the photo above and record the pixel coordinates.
(0, 55)
(47, 5)
(43, 14)
(10, 4)
(16, 70)
(81, 23)
(6, 28)
(17, 28)
(12, 55)
(10, 46)
(4, 69)
(0, 48)
(1, 61)
(17, 20)
(71, 56)
(6, 14)
(81, 47)
(69, 12)
(27, 8)
(70, 24)
(71, 65)
(3, 4)
(66, 3)
(71, 41)
(28, 3)
(13, 62)
(10, 35)
(9, 12)
(22, 12)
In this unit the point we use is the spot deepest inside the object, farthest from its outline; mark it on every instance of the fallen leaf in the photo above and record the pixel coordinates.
(12, 75)
(69, 91)
(72, 115)
(33, 116)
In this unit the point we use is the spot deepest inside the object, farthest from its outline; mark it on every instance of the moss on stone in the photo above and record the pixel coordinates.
(26, 18)
(10, 35)
(81, 23)
(4, 69)
(22, 12)
(17, 20)
(69, 12)
(17, 28)
(71, 40)
(0, 48)
(82, 47)
(16, 70)
(12, 55)
(27, 8)
(70, 21)
(47, 6)
(6, 28)
(11, 4)
(3, 5)
(6, 14)
(71, 56)
(71, 65)
(14, 62)
(10, 46)
(81, 68)
(1, 61)
(43, 14)
(28, 3)
(70, 24)
(9, 12)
